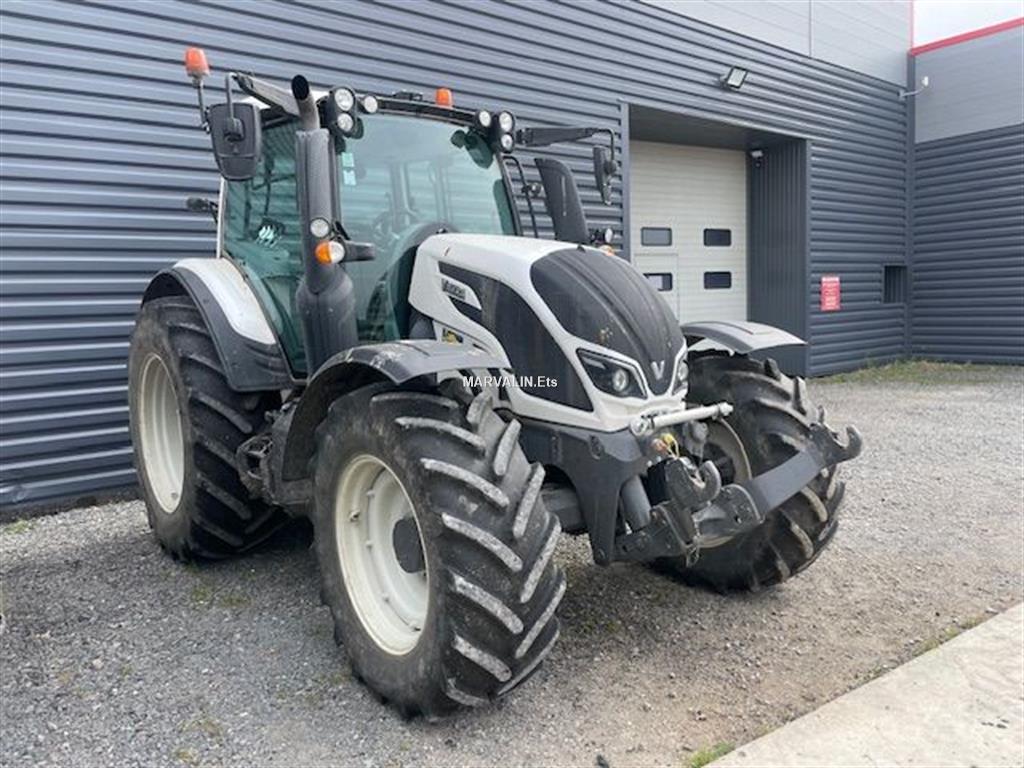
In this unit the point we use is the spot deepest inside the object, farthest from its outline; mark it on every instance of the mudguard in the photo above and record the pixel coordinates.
(252, 358)
(397, 361)
(740, 335)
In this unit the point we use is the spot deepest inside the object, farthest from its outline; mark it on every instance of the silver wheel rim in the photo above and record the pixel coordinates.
(163, 448)
(731, 460)
(391, 602)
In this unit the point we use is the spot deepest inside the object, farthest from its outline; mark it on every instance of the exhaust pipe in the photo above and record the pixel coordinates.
(308, 117)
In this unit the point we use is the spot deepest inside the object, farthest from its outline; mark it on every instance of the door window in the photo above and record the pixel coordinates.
(262, 235)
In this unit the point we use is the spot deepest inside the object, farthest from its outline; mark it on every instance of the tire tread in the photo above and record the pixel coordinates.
(223, 520)
(496, 540)
(772, 416)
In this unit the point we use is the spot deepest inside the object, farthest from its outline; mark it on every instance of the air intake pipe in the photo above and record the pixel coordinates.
(326, 295)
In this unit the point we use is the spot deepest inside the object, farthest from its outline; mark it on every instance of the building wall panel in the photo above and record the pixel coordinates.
(974, 86)
(870, 37)
(968, 276)
(779, 244)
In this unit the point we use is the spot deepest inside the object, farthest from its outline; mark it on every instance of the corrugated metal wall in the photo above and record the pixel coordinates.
(870, 36)
(968, 277)
(778, 230)
(976, 85)
(99, 150)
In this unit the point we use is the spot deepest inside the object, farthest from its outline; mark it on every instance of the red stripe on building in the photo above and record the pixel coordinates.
(964, 37)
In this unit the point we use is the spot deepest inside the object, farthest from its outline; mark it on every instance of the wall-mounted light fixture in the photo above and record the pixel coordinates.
(734, 78)
(904, 95)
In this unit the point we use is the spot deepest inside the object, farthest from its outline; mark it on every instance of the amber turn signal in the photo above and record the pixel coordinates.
(330, 252)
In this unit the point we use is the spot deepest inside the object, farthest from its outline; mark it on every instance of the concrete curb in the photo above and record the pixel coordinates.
(959, 705)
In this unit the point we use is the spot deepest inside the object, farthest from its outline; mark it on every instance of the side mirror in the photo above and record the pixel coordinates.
(235, 132)
(605, 168)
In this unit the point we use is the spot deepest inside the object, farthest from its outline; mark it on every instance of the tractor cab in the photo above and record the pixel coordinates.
(327, 196)
(399, 177)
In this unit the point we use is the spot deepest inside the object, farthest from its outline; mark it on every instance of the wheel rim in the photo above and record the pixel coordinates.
(725, 449)
(390, 597)
(163, 448)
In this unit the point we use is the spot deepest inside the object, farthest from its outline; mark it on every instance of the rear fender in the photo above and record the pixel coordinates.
(399, 362)
(247, 346)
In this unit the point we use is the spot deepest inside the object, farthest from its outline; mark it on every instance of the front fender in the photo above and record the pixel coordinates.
(740, 335)
(396, 361)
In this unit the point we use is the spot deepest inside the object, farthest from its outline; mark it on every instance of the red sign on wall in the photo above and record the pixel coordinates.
(830, 293)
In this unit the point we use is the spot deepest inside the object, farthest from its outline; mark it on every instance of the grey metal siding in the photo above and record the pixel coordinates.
(855, 231)
(778, 231)
(974, 86)
(780, 22)
(870, 37)
(99, 150)
(968, 278)
(867, 36)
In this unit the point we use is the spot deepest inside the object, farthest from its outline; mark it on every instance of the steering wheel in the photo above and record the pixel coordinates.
(396, 276)
(383, 226)
(413, 235)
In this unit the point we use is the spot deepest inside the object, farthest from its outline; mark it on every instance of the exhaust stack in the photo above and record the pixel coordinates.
(305, 103)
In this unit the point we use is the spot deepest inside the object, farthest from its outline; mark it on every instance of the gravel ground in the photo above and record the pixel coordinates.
(112, 654)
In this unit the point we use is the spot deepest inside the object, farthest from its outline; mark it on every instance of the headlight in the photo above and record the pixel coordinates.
(344, 99)
(610, 376)
(345, 122)
(320, 228)
(507, 142)
(506, 122)
(370, 104)
(483, 119)
(682, 376)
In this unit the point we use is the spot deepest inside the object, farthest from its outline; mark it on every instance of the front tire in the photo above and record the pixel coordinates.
(466, 613)
(771, 421)
(186, 423)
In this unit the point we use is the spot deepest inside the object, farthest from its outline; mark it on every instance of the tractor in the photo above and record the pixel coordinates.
(382, 347)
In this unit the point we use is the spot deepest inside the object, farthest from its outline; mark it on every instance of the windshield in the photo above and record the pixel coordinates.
(402, 172)
(402, 179)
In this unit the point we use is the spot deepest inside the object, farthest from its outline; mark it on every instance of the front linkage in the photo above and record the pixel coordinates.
(700, 510)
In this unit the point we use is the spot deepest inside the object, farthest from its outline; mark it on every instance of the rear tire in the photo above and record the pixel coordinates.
(772, 418)
(186, 424)
(486, 617)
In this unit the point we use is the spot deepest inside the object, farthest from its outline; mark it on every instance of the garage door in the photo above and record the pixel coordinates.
(688, 227)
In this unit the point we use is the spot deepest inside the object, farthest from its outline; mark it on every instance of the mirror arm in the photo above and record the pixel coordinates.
(544, 137)
(269, 94)
(611, 147)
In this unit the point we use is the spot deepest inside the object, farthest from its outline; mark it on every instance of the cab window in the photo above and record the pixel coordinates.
(262, 235)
